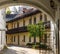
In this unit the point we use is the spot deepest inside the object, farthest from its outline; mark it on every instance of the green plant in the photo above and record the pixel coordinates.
(34, 46)
(8, 12)
(29, 45)
(44, 46)
(41, 30)
(33, 31)
(36, 30)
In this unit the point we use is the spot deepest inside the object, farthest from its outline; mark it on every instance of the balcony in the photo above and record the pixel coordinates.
(17, 30)
(24, 28)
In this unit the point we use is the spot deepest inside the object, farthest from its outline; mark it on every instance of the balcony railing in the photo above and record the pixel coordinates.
(24, 28)
(17, 30)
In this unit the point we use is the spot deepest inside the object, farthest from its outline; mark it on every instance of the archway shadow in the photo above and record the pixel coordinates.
(12, 51)
(8, 51)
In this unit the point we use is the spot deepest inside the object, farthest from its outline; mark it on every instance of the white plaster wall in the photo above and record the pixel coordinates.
(53, 38)
(2, 27)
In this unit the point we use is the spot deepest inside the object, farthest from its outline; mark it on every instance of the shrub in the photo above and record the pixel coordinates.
(43, 46)
(30, 45)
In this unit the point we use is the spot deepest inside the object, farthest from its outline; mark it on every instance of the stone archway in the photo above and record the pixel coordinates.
(42, 5)
(38, 4)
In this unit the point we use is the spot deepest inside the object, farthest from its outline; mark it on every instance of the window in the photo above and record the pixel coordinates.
(45, 38)
(30, 21)
(13, 25)
(23, 22)
(34, 20)
(14, 38)
(47, 25)
(18, 39)
(29, 39)
(45, 17)
(11, 38)
(17, 24)
(34, 39)
(40, 17)
(7, 26)
(6, 38)
(24, 38)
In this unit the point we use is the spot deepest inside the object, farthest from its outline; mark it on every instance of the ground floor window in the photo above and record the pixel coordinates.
(6, 38)
(34, 39)
(45, 38)
(29, 39)
(24, 38)
(14, 38)
(11, 39)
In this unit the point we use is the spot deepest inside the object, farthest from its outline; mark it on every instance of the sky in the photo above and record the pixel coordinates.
(12, 8)
(21, 6)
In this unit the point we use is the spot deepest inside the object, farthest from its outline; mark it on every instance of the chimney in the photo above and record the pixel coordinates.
(24, 10)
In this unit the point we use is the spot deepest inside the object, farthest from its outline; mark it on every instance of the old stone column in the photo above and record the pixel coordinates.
(2, 28)
(57, 20)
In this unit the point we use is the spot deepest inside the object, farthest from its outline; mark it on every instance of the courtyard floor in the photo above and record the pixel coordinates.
(19, 50)
(22, 50)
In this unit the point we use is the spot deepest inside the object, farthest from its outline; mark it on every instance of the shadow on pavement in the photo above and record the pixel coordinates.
(8, 51)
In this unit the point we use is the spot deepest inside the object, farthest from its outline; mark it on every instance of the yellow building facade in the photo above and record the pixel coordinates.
(17, 33)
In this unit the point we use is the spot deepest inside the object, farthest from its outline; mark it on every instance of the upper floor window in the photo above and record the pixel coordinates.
(30, 21)
(17, 24)
(14, 38)
(23, 22)
(13, 25)
(7, 26)
(40, 17)
(45, 17)
(34, 20)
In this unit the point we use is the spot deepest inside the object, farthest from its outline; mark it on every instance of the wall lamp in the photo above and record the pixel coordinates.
(52, 4)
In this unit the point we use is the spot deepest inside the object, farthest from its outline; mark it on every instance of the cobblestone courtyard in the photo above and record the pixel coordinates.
(19, 50)
(22, 50)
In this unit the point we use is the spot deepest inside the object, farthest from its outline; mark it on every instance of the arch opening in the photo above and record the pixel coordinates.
(35, 6)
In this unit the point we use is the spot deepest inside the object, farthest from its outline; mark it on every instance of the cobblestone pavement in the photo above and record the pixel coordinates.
(19, 50)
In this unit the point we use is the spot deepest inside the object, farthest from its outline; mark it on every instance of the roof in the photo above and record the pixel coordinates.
(17, 17)
(10, 16)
